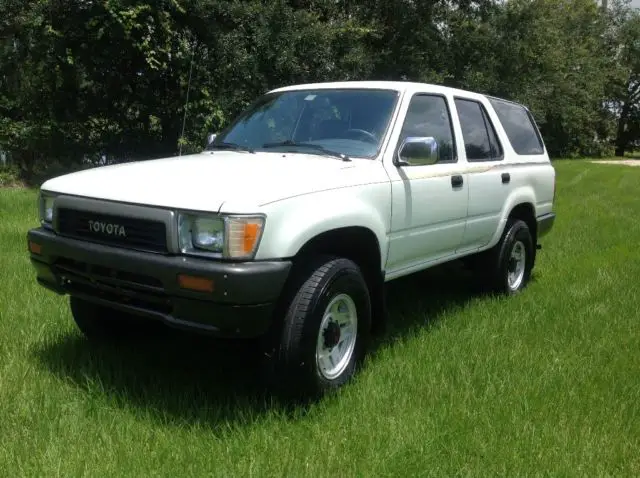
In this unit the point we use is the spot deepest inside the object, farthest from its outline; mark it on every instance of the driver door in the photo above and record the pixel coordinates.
(429, 199)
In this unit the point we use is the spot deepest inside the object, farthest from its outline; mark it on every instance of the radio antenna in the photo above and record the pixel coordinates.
(186, 104)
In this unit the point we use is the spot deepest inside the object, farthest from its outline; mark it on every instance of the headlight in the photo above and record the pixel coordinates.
(208, 234)
(202, 233)
(234, 237)
(46, 209)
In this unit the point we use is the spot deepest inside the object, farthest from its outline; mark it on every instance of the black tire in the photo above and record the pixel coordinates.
(103, 324)
(294, 371)
(500, 262)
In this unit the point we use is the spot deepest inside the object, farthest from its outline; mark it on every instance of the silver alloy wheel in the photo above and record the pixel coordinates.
(337, 336)
(517, 263)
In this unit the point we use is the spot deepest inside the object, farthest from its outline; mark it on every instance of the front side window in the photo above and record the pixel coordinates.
(352, 122)
(428, 116)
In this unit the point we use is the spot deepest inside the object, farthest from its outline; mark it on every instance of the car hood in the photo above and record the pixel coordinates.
(209, 180)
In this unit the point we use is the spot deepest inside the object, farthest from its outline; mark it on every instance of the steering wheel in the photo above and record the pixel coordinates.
(364, 133)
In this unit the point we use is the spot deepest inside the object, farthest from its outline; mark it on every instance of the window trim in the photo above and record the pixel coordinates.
(536, 131)
(485, 117)
(400, 141)
(529, 115)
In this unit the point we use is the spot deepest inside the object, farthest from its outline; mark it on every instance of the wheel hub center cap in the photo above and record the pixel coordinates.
(332, 335)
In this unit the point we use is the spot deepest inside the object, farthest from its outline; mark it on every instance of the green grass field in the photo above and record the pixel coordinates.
(546, 383)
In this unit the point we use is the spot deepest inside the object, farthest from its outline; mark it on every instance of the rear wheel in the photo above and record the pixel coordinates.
(511, 261)
(326, 328)
(101, 323)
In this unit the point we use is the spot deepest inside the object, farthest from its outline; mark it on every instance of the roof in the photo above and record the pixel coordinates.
(401, 86)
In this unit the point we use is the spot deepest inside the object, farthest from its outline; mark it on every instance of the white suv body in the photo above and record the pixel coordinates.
(382, 179)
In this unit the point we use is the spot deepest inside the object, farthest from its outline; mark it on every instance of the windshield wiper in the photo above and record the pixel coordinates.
(317, 147)
(234, 146)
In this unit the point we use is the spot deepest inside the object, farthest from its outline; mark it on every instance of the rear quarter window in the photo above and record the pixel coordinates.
(519, 126)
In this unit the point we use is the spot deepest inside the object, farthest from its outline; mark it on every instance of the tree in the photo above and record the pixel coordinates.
(624, 88)
(87, 81)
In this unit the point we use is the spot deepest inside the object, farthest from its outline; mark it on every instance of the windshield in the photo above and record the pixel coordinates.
(350, 122)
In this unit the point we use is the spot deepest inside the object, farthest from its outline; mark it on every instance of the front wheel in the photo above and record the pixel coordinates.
(325, 330)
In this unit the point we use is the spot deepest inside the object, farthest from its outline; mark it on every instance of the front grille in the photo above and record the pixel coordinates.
(122, 231)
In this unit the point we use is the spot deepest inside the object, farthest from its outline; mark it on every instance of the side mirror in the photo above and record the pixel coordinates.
(211, 138)
(418, 151)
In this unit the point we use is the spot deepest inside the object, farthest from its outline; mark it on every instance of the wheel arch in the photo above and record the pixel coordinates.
(527, 213)
(520, 205)
(361, 245)
(350, 222)
(358, 243)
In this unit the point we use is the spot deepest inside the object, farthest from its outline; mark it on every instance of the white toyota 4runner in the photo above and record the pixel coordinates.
(288, 224)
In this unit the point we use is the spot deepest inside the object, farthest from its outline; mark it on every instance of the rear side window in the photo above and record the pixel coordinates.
(519, 126)
(480, 139)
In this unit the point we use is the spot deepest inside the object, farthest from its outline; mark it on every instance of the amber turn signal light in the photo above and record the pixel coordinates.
(250, 237)
(198, 284)
(35, 248)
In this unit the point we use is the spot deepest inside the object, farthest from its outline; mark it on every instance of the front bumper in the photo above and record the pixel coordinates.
(240, 305)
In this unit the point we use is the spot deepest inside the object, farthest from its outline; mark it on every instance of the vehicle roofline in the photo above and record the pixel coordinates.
(513, 102)
(399, 86)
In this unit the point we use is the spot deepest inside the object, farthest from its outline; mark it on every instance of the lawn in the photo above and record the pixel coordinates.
(546, 383)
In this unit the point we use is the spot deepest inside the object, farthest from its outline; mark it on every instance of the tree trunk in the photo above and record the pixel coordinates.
(170, 136)
(622, 138)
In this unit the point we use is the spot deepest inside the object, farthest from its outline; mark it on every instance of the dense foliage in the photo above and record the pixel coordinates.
(108, 80)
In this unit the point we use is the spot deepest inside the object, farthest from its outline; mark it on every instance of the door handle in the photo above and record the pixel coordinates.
(506, 178)
(456, 181)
